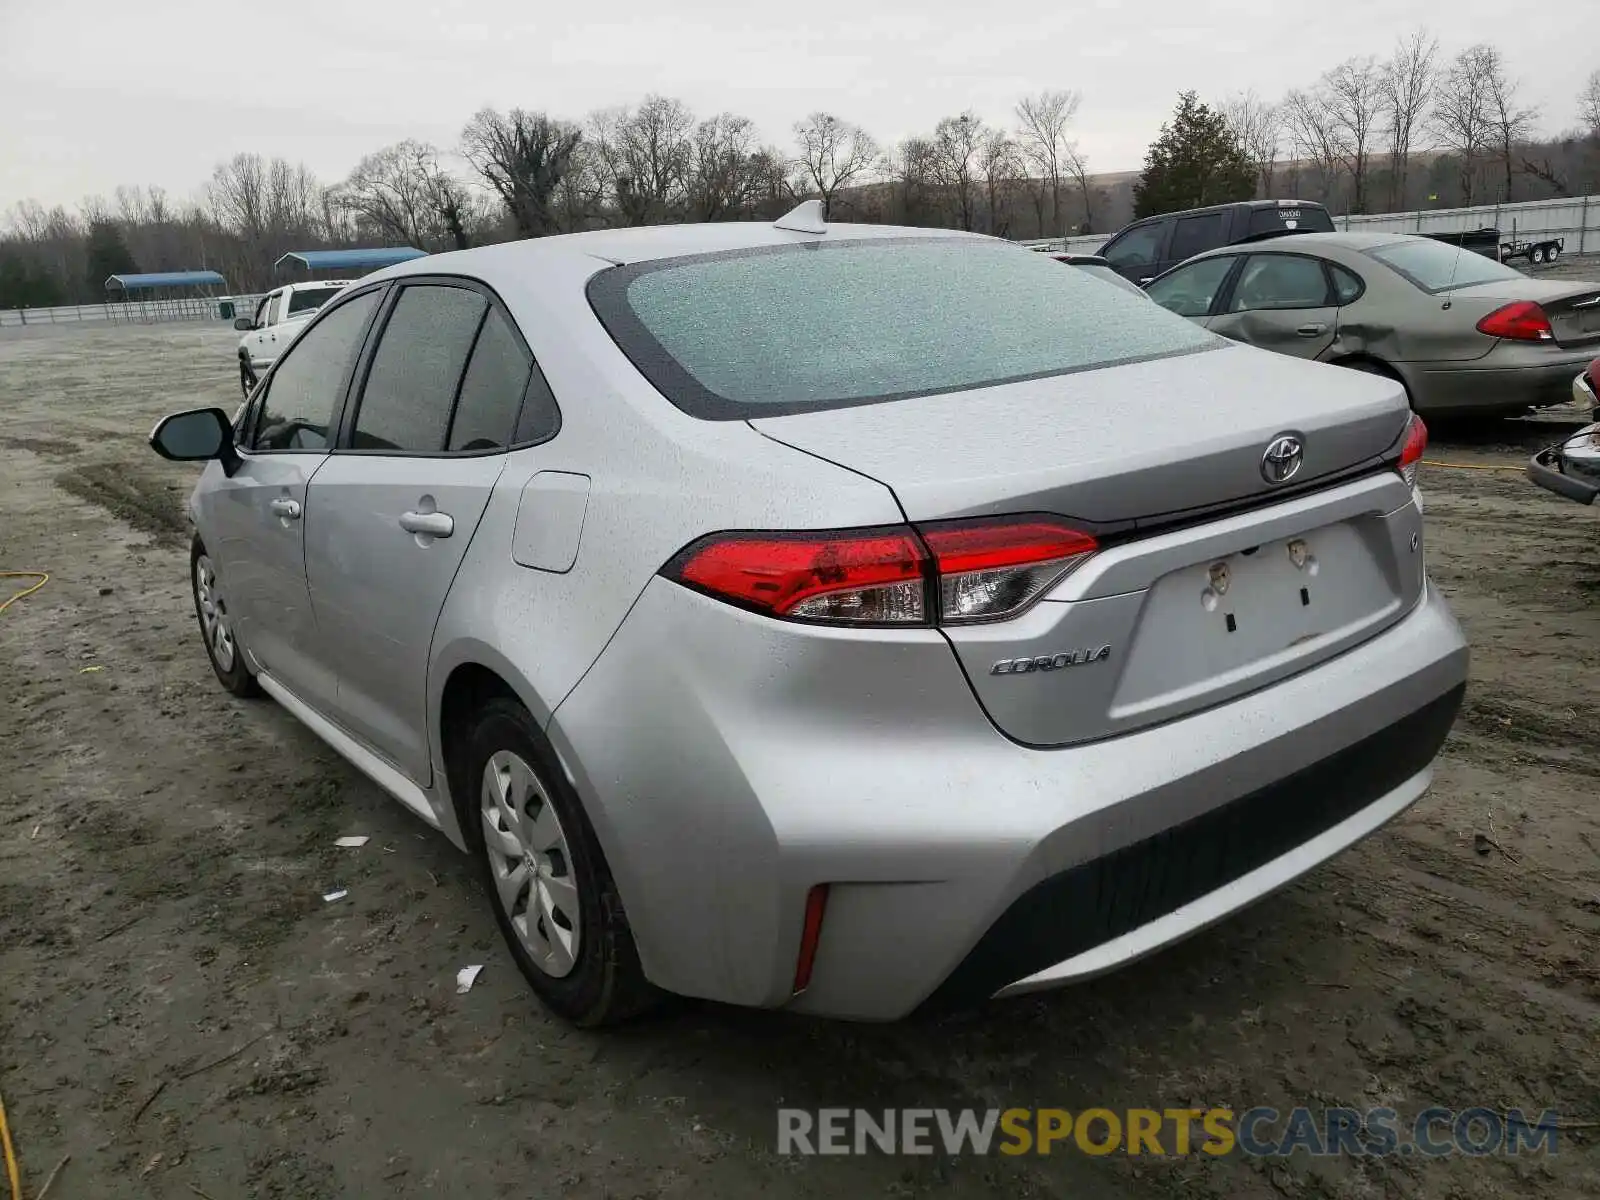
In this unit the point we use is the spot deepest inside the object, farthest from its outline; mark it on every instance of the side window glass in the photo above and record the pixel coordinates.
(491, 390)
(1347, 284)
(1280, 281)
(1194, 235)
(1189, 291)
(1137, 247)
(302, 394)
(416, 370)
(261, 311)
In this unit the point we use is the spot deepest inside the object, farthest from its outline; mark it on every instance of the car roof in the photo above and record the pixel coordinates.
(1228, 207)
(603, 247)
(1290, 243)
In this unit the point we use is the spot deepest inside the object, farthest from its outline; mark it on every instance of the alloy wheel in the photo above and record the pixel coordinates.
(214, 619)
(530, 863)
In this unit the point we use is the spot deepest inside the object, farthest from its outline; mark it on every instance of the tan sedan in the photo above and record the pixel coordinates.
(1465, 334)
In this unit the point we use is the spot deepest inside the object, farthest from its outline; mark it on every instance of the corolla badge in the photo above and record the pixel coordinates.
(1281, 460)
(1051, 662)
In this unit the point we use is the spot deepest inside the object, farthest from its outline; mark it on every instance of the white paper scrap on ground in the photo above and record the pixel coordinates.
(352, 843)
(465, 979)
(330, 897)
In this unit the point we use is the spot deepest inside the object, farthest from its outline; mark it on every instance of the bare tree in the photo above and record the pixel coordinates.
(1000, 165)
(957, 147)
(1313, 132)
(913, 166)
(1405, 85)
(1043, 121)
(522, 156)
(1463, 117)
(1589, 105)
(1353, 98)
(833, 154)
(391, 192)
(1257, 124)
(724, 174)
(1512, 123)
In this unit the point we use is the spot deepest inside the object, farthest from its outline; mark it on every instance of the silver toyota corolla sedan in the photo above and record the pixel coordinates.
(848, 619)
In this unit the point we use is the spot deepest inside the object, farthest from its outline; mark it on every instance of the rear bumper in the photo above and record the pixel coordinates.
(1498, 382)
(1571, 469)
(730, 763)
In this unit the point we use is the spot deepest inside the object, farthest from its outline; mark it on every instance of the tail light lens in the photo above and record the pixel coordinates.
(988, 571)
(947, 573)
(1523, 321)
(1411, 449)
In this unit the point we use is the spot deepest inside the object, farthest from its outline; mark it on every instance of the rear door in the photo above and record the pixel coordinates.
(255, 519)
(392, 512)
(1280, 302)
(1195, 235)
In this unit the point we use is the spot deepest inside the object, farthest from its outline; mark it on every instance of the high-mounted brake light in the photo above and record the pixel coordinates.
(1416, 441)
(1522, 321)
(953, 572)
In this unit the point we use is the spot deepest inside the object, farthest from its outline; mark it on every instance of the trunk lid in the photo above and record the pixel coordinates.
(1573, 307)
(1184, 606)
(1115, 448)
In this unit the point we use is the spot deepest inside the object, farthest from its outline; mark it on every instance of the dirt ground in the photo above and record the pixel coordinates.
(183, 1014)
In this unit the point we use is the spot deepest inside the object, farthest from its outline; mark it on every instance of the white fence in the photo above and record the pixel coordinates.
(131, 312)
(1576, 219)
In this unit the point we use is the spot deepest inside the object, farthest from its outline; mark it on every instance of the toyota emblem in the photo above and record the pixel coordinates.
(1281, 460)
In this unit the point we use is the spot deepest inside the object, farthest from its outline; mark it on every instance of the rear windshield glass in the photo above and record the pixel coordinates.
(311, 299)
(1437, 267)
(1270, 220)
(828, 325)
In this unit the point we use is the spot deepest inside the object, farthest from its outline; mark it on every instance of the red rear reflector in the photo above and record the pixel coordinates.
(810, 934)
(1523, 321)
(874, 576)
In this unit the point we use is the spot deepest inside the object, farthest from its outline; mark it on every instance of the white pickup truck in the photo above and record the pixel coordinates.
(279, 318)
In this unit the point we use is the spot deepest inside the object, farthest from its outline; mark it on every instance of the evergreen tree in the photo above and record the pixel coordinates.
(106, 254)
(1196, 161)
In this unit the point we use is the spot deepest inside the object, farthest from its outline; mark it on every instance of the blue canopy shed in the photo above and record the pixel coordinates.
(370, 259)
(165, 295)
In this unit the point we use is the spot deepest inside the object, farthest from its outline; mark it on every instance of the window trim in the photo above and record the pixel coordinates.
(1224, 288)
(357, 385)
(1330, 298)
(1361, 284)
(341, 400)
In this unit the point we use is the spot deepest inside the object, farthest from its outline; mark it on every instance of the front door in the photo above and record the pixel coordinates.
(393, 512)
(1280, 302)
(257, 516)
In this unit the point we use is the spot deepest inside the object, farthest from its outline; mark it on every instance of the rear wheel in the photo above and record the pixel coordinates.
(1536, 255)
(1368, 366)
(216, 625)
(1552, 253)
(247, 377)
(547, 878)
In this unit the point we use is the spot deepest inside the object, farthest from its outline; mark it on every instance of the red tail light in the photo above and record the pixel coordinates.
(1416, 441)
(947, 572)
(1523, 321)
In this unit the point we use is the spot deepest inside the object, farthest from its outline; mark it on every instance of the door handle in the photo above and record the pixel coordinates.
(288, 509)
(1313, 330)
(434, 524)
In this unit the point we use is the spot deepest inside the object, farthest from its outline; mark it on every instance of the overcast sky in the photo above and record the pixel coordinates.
(95, 93)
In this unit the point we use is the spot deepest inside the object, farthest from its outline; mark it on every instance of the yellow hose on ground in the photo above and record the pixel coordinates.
(1428, 462)
(12, 1173)
(28, 591)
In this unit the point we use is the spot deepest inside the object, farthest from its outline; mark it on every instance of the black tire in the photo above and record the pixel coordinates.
(227, 658)
(1552, 253)
(247, 377)
(604, 983)
(1536, 255)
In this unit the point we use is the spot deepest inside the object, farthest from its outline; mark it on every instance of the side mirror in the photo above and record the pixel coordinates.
(243, 324)
(199, 435)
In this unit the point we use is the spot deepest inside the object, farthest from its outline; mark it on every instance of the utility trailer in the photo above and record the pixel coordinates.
(1542, 250)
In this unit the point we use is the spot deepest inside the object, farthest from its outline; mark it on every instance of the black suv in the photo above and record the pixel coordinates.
(1147, 248)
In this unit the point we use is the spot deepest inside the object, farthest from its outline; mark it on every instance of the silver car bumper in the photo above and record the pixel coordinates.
(960, 864)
